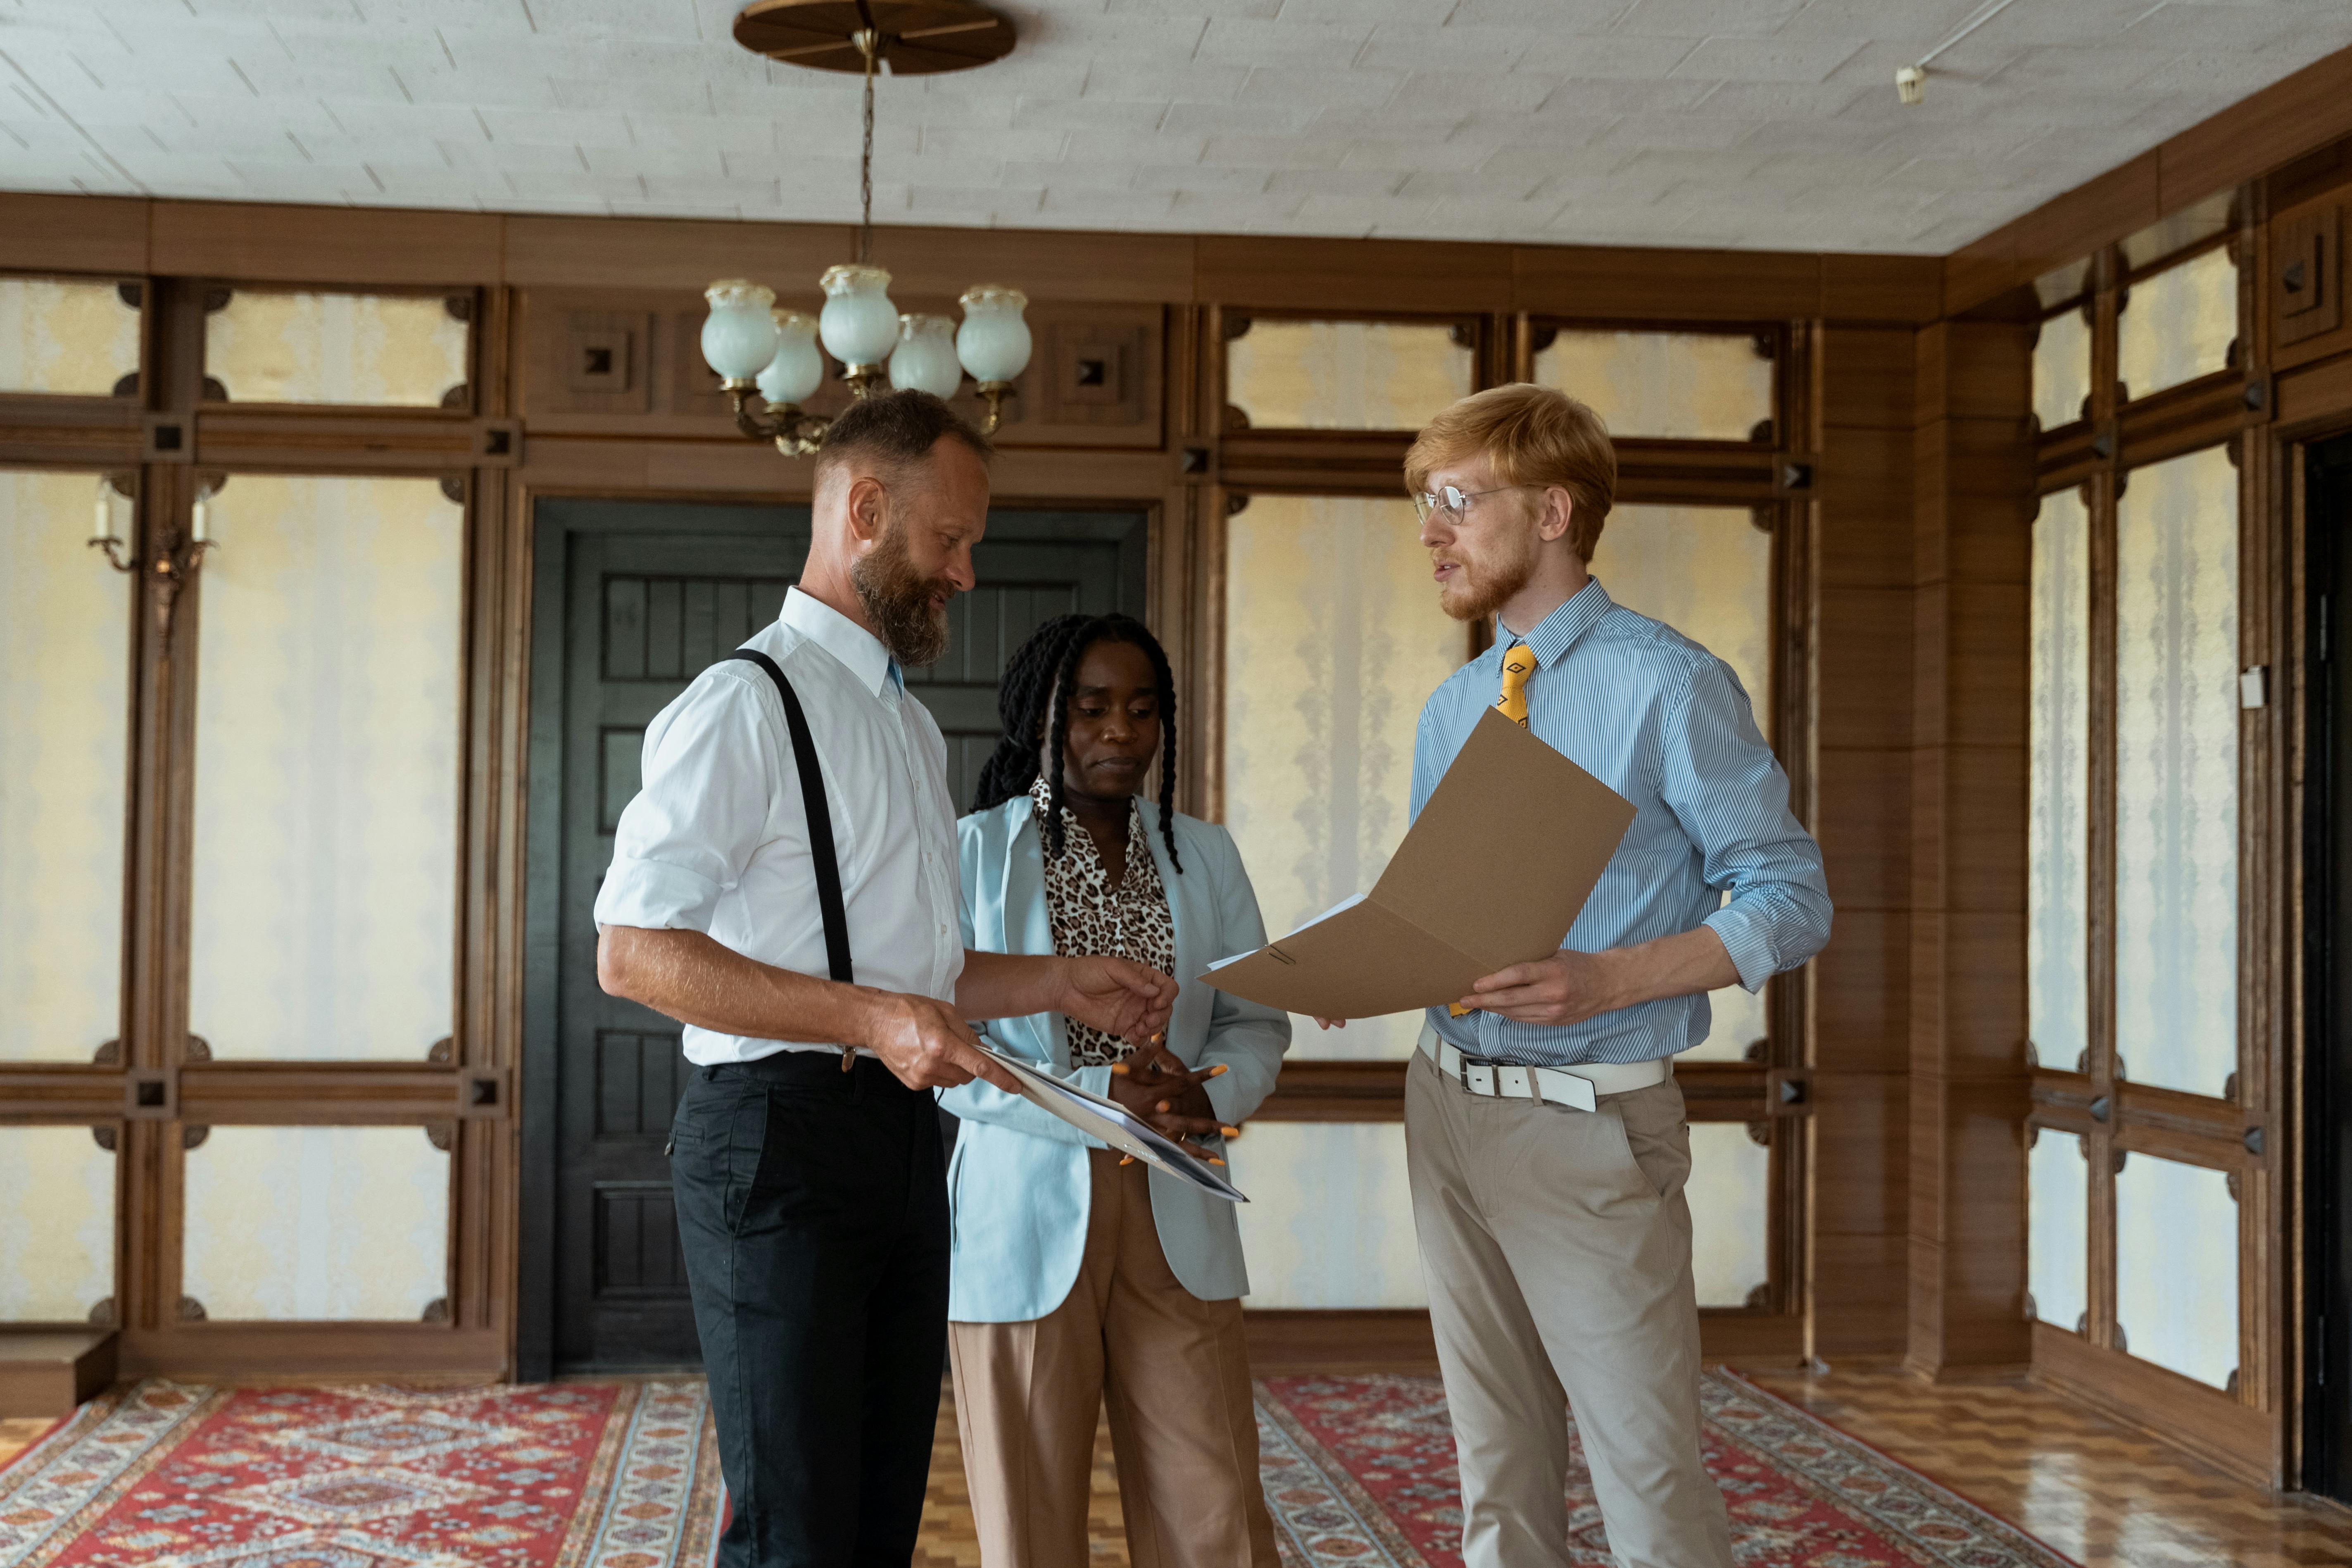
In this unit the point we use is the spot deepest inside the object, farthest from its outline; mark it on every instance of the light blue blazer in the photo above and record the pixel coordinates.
(1018, 1186)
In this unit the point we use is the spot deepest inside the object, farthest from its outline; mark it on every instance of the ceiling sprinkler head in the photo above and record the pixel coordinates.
(1910, 83)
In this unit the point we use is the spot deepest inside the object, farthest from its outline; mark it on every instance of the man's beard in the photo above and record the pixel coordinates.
(898, 600)
(1484, 587)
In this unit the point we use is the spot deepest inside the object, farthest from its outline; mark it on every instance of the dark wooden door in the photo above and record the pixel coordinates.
(632, 600)
(2327, 966)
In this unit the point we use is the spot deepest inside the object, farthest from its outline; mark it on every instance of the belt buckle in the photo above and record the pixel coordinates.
(1462, 1069)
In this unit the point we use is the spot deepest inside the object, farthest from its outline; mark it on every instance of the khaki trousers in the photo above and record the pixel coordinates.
(1173, 1372)
(1557, 1245)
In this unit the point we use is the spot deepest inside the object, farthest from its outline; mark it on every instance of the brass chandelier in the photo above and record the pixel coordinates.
(759, 348)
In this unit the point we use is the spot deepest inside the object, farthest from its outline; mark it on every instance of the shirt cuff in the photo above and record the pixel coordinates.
(1747, 942)
(653, 896)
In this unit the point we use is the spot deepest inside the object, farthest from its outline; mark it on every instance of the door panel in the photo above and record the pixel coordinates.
(631, 601)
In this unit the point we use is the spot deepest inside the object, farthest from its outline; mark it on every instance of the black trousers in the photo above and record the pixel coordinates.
(812, 1204)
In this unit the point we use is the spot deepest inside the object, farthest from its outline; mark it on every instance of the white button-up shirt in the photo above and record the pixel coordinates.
(717, 840)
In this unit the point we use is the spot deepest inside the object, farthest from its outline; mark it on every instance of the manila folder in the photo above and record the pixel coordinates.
(1493, 874)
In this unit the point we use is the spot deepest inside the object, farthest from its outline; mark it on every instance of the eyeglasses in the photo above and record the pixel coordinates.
(1450, 502)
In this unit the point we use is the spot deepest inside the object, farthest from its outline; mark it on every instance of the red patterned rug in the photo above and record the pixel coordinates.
(163, 1475)
(1360, 1471)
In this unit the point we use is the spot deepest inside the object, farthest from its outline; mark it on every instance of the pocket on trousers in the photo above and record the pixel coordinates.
(718, 1142)
(1656, 1138)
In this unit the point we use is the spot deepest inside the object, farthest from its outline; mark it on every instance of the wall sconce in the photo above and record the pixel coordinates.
(178, 557)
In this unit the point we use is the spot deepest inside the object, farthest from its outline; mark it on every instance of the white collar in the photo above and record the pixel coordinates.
(859, 650)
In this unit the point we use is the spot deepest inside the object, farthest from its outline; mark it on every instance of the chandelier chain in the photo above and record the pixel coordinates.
(866, 42)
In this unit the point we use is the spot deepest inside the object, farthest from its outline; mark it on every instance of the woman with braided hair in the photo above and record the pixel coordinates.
(1079, 1280)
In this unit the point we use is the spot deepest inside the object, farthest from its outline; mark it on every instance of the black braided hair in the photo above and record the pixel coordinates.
(1033, 704)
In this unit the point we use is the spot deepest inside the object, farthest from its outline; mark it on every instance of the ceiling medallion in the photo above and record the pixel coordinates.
(756, 347)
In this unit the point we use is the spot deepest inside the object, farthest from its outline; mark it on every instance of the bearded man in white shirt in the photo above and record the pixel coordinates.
(806, 1155)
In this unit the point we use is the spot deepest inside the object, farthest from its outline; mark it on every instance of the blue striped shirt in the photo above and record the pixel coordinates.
(1664, 723)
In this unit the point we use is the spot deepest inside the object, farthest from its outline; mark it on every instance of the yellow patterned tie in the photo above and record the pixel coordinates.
(1519, 663)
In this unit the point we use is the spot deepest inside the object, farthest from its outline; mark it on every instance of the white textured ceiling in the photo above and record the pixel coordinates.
(1766, 123)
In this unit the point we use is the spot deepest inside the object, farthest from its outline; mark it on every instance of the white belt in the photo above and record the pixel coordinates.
(1575, 1086)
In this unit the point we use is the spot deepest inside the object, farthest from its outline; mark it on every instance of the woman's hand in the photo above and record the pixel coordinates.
(1155, 1086)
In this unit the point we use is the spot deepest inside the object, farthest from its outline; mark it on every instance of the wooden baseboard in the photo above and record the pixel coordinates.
(2231, 1436)
(47, 1373)
(1398, 1340)
(1291, 1343)
(298, 1351)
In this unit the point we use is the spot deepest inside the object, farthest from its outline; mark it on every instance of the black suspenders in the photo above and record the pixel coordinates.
(820, 829)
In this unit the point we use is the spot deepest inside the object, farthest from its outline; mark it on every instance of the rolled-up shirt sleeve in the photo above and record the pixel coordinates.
(1727, 789)
(710, 765)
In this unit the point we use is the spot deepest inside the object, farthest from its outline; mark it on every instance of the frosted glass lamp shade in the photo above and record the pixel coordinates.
(926, 356)
(859, 325)
(739, 337)
(796, 371)
(994, 342)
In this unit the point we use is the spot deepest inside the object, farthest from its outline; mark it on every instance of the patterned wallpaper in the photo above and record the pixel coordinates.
(298, 1224)
(328, 705)
(2058, 1228)
(2176, 773)
(2057, 887)
(64, 337)
(2178, 324)
(2176, 1266)
(2061, 369)
(56, 1224)
(375, 349)
(1344, 375)
(1696, 386)
(65, 671)
(1329, 1220)
(1333, 641)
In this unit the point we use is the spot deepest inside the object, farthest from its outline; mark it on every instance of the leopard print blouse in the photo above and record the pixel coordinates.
(1091, 918)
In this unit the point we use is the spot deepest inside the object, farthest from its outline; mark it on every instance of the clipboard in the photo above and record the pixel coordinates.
(1115, 1125)
(1494, 872)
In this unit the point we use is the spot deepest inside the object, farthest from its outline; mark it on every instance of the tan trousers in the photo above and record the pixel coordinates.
(1557, 1245)
(1173, 1372)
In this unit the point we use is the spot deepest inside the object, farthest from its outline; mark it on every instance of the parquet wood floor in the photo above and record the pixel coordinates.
(2096, 1491)
(18, 1434)
(946, 1540)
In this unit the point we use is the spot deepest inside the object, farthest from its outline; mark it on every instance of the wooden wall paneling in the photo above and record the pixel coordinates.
(1353, 276)
(1340, 1090)
(2260, 132)
(1665, 285)
(2252, 137)
(73, 233)
(1857, 1046)
(2097, 1069)
(1179, 579)
(1078, 266)
(264, 1352)
(1904, 289)
(1794, 700)
(1968, 1071)
(255, 241)
(674, 254)
(2146, 1397)
(2266, 881)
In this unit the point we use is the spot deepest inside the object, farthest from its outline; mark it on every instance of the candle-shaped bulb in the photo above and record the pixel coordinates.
(103, 525)
(197, 531)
